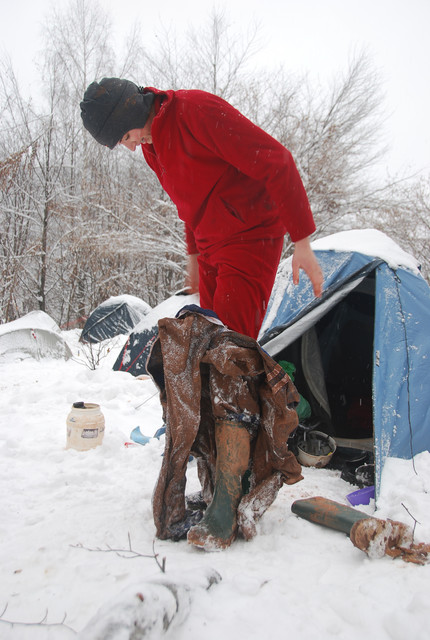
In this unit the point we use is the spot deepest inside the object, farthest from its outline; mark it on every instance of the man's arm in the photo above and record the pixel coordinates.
(304, 258)
(192, 279)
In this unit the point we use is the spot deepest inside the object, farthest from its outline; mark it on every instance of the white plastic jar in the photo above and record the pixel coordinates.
(85, 426)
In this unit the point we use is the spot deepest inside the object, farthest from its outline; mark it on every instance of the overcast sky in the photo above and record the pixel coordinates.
(315, 36)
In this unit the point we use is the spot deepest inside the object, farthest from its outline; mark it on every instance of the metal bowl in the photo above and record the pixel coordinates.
(315, 449)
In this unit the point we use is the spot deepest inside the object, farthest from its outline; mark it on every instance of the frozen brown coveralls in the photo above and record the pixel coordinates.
(207, 373)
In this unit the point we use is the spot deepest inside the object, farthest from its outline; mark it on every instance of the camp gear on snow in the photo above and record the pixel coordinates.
(361, 351)
(179, 530)
(194, 501)
(160, 432)
(374, 536)
(327, 513)
(85, 426)
(137, 436)
(303, 408)
(356, 465)
(362, 496)
(388, 537)
(360, 475)
(254, 504)
(315, 449)
(218, 527)
(116, 316)
(205, 373)
(365, 475)
(113, 107)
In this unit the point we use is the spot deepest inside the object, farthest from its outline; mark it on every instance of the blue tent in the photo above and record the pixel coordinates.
(362, 351)
(113, 317)
(134, 354)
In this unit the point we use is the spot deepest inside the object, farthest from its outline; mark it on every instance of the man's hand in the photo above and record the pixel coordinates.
(192, 279)
(304, 258)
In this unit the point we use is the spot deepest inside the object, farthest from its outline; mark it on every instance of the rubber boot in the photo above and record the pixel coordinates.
(218, 528)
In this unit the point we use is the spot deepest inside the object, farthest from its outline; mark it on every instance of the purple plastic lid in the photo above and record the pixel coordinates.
(362, 496)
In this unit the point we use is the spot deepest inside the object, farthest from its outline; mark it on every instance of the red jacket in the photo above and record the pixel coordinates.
(229, 179)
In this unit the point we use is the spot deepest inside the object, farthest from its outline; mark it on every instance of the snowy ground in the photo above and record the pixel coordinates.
(62, 510)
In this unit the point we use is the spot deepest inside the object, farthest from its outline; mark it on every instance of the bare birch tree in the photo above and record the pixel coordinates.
(211, 57)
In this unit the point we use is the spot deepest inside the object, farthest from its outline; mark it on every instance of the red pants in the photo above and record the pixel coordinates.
(236, 282)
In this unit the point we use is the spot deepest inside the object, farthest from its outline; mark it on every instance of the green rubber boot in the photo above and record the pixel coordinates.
(218, 528)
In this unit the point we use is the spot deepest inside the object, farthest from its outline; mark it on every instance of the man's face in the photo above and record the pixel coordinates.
(136, 137)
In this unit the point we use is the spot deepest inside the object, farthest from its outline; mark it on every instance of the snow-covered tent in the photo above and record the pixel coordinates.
(35, 335)
(361, 351)
(134, 354)
(115, 316)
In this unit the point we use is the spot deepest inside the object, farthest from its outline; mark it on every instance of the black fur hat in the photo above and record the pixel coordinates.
(113, 107)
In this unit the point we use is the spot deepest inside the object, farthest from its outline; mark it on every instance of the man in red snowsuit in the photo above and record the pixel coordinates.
(238, 192)
(236, 188)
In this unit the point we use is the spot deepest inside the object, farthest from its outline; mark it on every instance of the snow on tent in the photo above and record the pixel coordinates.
(115, 316)
(134, 354)
(361, 351)
(35, 335)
